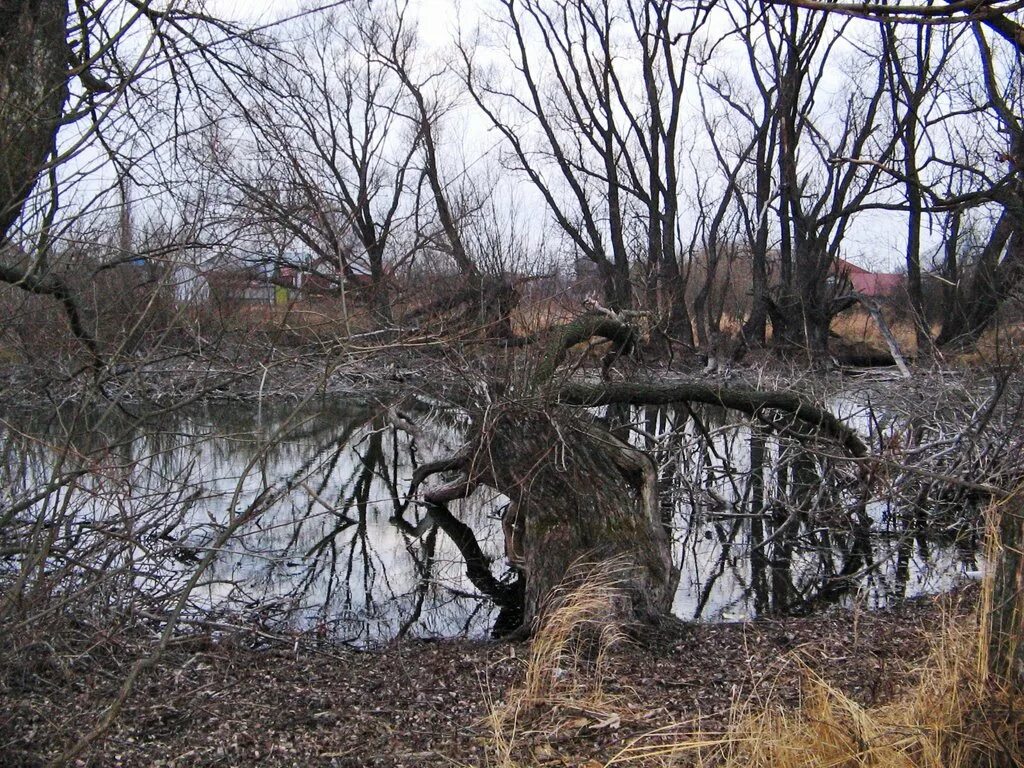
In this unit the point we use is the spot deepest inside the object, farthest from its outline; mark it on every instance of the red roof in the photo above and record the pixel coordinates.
(320, 279)
(870, 283)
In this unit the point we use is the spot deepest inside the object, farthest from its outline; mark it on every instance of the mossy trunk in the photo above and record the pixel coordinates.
(579, 495)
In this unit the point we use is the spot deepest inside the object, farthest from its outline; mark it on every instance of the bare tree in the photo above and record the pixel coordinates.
(485, 296)
(917, 64)
(999, 268)
(329, 151)
(815, 213)
(606, 154)
(394, 47)
(721, 221)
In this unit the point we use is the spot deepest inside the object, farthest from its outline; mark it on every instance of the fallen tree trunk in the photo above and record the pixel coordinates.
(743, 399)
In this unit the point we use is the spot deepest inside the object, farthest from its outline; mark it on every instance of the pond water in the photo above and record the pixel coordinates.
(327, 542)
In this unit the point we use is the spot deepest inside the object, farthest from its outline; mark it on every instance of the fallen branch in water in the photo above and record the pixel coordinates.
(744, 399)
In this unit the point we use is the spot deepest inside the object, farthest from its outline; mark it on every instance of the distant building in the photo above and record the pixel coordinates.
(264, 285)
(190, 285)
(867, 283)
(319, 278)
(248, 285)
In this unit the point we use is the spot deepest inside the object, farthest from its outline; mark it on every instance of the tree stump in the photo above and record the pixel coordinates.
(579, 495)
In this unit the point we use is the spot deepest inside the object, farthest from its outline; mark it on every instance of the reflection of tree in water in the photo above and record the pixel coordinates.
(769, 520)
(335, 546)
(765, 517)
(347, 553)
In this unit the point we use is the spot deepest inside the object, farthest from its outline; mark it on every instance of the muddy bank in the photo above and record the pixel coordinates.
(222, 702)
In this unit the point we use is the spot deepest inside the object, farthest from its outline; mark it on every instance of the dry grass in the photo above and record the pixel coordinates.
(999, 345)
(564, 682)
(858, 327)
(951, 715)
(955, 715)
(950, 719)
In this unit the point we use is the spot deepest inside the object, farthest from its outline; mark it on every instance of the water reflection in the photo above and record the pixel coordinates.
(761, 523)
(770, 522)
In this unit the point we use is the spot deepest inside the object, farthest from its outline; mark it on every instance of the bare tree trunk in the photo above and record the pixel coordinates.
(951, 264)
(913, 253)
(1006, 614)
(34, 59)
(680, 325)
(381, 296)
(755, 328)
(579, 493)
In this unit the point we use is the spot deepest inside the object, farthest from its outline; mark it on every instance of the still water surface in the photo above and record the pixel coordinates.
(334, 546)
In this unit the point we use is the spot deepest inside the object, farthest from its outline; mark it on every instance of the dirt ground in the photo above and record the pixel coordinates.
(219, 702)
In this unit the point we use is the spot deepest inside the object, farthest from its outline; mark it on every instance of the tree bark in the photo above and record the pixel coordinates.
(34, 61)
(579, 495)
(1006, 615)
